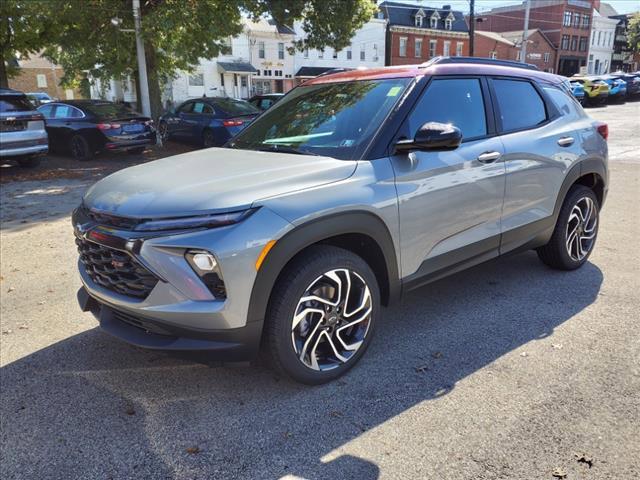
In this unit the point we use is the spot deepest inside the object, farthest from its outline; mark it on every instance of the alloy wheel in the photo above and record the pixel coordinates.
(581, 228)
(331, 320)
(77, 148)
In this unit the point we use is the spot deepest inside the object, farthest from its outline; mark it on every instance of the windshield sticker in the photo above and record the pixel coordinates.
(394, 91)
(347, 142)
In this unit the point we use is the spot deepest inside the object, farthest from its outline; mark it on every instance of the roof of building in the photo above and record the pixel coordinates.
(439, 66)
(312, 71)
(496, 36)
(237, 67)
(268, 25)
(516, 36)
(402, 14)
(607, 10)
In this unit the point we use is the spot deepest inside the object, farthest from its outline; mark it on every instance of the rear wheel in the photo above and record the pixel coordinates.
(80, 149)
(28, 161)
(321, 315)
(208, 139)
(576, 230)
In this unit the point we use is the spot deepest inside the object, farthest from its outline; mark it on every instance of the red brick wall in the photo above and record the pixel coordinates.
(484, 46)
(27, 81)
(536, 49)
(411, 58)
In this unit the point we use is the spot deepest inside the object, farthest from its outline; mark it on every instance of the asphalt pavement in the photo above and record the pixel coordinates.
(508, 370)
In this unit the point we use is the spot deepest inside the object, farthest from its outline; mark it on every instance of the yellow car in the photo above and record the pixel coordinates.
(596, 90)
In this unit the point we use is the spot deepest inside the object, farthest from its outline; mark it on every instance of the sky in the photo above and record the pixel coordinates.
(622, 6)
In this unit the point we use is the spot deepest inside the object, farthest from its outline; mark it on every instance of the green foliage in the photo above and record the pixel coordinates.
(633, 33)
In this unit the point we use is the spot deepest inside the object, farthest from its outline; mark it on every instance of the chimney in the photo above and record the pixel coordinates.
(446, 7)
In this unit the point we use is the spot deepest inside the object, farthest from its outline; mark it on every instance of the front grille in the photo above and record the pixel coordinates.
(123, 223)
(115, 270)
(138, 322)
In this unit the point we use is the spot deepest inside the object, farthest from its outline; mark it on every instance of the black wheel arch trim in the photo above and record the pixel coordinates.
(580, 169)
(317, 231)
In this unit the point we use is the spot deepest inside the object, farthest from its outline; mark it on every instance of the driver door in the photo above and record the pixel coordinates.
(450, 201)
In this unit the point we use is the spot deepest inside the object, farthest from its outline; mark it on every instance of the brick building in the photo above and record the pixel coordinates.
(507, 46)
(416, 34)
(565, 23)
(37, 74)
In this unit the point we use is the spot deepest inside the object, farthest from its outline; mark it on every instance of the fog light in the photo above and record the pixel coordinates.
(204, 261)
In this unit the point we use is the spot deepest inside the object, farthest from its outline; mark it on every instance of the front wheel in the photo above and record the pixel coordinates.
(208, 139)
(80, 149)
(321, 315)
(576, 230)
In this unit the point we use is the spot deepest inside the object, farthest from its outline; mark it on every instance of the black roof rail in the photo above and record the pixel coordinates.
(480, 61)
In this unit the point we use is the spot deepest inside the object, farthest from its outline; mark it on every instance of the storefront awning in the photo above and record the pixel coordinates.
(236, 67)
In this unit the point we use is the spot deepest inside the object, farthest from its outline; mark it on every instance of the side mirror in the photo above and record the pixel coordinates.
(433, 136)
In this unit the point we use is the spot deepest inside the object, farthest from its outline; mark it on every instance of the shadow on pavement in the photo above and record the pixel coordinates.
(92, 407)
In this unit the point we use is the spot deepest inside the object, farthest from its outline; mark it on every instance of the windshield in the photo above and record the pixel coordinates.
(15, 103)
(110, 111)
(236, 107)
(335, 119)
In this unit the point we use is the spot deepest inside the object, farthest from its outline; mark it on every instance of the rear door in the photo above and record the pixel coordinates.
(540, 146)
(200, 118)
(450, 202)
(181, 126)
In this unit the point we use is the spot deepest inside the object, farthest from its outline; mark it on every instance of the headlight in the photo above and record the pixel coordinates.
(206, 266)
(200, 221)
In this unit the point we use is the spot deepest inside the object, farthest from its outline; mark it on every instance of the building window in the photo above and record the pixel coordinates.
(335, 54)
(583, 43)
(586, 19)
(576, 20)
(446, 50)
(227, 48)
(418, 48)
(306, 53)
(403, 47)
(565, 42)
(593, 38)
(349, 54)
(260, 49)
(280, 51)
(547, 57)
(574, 43)
(599, 37)
(222, 79)
(493, 55)
(459, 47)
(419, 20)
(434, 20)
(432, 48)
(518, 55)
(196, 80)
(448, 24)
(41, 80)
(590, 64)
(566, 21)
(362, 53)
(320, 53)
(375, 52)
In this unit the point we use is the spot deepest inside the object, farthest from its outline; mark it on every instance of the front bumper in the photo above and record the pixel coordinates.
(236, 344)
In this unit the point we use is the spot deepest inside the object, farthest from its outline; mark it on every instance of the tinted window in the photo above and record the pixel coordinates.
(520, 104)
(200, 107)
(456, 101)
(266, 103)
(110, 111)
(46, 110)
(15, 103)
(66, 111)
(185, 107)
(235, 107)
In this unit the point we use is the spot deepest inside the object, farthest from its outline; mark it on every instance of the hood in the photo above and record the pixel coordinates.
(211, 180)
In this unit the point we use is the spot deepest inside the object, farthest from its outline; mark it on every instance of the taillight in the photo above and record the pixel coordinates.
(108, 126)
(603, 130)
(232, 123)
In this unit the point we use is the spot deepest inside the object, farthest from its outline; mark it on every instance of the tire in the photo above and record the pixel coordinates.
(563, 252)
(137, 151)
(292, 348)
(80, 149)
(163, 131)
(208, 138)
(28, 161)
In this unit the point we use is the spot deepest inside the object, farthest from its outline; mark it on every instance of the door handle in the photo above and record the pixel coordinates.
(489, 157)
(566, 141)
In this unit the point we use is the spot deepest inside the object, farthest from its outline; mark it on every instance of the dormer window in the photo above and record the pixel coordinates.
(448, 22)
(419, 20)
(434, 20)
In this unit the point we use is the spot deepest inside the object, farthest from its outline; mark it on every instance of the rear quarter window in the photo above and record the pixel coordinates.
(521, 106)
(564, 102)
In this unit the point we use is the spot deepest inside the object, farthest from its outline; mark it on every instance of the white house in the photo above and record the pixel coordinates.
(601, 45)
(366, 50)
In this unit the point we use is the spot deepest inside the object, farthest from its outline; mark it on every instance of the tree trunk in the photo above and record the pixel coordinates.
(136, 79)
(155, 95)
(4, 79)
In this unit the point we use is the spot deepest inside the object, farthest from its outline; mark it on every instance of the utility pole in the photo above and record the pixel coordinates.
(472, 26)
(525, 33)
(142, 62)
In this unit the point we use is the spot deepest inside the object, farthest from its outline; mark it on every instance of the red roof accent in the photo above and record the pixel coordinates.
(410, 71)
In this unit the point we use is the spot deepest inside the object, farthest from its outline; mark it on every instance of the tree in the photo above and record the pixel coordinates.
(633, 33)
(177, 33)
(24, 30)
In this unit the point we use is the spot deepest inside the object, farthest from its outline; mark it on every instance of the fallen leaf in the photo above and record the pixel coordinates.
(559, 473)
(193, 450)
(436, 354)
(336, 414)
(11, 289)
(583, 458)
(7, 332)
(421, 368)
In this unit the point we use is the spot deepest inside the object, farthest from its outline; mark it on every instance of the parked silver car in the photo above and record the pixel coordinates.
(23, 137)
(354, 189)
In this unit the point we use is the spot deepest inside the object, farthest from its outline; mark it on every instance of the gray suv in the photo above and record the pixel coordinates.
(23, 137)
(352, 190)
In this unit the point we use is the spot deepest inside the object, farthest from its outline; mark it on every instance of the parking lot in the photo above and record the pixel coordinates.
(508, 370)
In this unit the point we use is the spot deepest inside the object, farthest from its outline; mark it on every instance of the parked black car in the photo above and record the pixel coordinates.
(633, 82)
(211, 121)
(86, 127)
(263, 102)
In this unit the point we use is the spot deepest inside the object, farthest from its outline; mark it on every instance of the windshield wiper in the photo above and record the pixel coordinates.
(285, 149)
